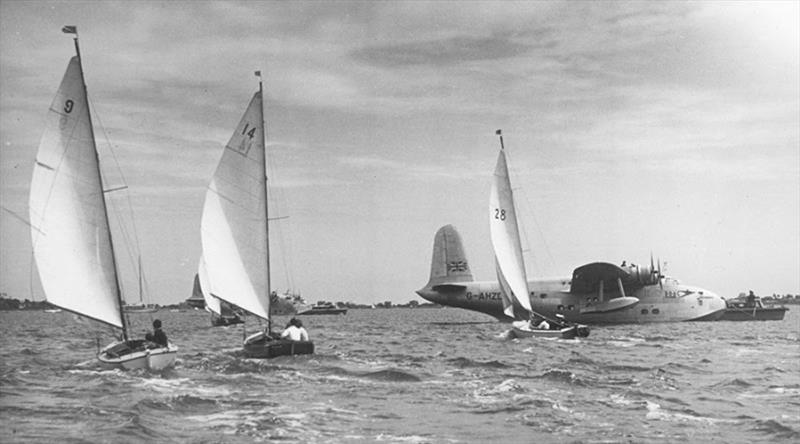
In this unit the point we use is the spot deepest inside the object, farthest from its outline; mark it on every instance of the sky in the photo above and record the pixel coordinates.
(632, 128)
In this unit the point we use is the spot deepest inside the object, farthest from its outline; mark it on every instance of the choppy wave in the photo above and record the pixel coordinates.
(645, 383)
(462, 362)
(776, 429)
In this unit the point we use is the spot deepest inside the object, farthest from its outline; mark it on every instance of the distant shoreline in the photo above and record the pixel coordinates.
(10, 304)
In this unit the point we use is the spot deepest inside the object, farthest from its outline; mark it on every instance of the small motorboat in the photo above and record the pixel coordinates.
(323, 308)
(752, 309)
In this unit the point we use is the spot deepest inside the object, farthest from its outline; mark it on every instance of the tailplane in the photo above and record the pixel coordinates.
(449, 263)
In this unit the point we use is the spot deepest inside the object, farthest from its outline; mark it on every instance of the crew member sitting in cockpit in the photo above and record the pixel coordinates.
(540, 325)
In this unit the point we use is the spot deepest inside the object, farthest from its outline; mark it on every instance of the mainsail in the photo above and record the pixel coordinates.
(234, 223)
(70, 233)
(506, 240)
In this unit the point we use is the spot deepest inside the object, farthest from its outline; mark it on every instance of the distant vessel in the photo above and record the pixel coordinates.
(69, 224)
(223, 314)
(323, 308)
(196, 300)
(510, 264)
(228, 317)
(137, 308)
(53, 310)
(287, 304)
(751, 309)
(234, 266)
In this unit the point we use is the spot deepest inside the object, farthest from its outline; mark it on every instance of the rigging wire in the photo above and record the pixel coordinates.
(276, 195)
(520, 192)
(130, 237)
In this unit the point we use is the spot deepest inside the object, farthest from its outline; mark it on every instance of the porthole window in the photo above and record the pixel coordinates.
(560, 308)
(656, 311)
(571, 307)
(644, 311)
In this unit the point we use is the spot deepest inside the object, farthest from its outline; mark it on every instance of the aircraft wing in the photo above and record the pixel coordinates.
(586, 278)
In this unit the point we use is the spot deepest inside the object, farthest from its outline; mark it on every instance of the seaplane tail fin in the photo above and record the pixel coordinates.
(449, 263)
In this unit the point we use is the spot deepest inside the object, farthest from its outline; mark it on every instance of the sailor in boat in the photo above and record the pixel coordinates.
(751, 300)
(158, 337)
(295, 331)
(543, 325)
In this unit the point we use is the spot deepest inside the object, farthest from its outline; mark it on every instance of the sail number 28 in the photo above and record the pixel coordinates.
(500, 214)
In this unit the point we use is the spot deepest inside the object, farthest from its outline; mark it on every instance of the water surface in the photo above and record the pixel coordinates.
(406, 375)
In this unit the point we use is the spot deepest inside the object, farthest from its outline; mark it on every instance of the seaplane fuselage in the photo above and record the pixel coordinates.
(596, 293)
(672, 303)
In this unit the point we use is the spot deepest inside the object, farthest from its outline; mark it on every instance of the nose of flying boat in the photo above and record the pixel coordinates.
(713, 303)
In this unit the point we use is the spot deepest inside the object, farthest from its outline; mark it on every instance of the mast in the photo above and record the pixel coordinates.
(504, 229)
(99, 175)
(266, 197)
(141, 297)
(500, 133)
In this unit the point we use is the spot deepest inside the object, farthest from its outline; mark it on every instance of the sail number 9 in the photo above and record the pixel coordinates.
(499, 214)
(68, 106)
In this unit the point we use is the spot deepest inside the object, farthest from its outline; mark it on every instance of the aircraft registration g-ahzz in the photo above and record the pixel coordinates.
(596, 293)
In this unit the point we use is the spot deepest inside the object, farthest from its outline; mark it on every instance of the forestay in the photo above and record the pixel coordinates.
(234, 222)
(506, 240)
(70, 234)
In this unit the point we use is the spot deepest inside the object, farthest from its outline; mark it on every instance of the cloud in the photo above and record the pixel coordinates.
(450, 51)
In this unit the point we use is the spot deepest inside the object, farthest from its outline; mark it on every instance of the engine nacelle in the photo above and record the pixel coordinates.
(644, 274)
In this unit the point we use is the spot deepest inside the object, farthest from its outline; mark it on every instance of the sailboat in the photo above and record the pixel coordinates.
(222, 313)
(510, 264)
(235, 234)
(70, 232)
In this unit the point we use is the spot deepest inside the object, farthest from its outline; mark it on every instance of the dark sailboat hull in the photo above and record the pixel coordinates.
(222, 321)
(261, 346)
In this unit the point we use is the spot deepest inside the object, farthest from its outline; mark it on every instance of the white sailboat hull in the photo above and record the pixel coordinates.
(522, 329)
(119, 355)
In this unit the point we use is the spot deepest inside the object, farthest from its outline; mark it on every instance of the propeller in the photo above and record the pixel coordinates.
(656, 271)
(660, 284)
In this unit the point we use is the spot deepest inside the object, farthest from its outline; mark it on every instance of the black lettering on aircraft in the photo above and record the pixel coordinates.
(493, 296)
